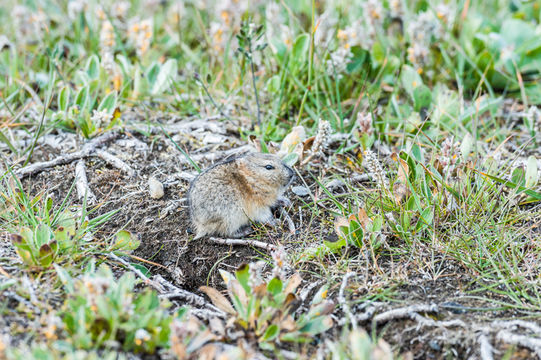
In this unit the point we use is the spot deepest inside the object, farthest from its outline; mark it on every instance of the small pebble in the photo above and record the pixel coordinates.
(156, 188)
(300, 191)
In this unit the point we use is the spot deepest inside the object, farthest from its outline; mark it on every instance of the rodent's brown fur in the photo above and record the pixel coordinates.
(229, 195)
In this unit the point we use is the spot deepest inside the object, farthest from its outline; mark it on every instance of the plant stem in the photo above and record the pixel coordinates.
(198, 79)
(45, 108)
(255, 90)
(310, 64)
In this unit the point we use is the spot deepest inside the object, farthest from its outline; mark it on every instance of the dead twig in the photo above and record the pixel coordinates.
(244, 242)
(184, 126)
(519, 323)
(115, 162)
(342, 300)
(175, 292)
(485, 348)
(424, 321)
(81, 183)
(531, 343)
(367, 314)
(206, 314)
(147, 261)
(88, 149)
(405, 312)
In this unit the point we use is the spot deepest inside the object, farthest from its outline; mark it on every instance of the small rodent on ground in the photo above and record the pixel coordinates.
(227, 196)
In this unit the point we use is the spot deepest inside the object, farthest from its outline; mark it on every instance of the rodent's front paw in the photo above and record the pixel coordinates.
(283, 202)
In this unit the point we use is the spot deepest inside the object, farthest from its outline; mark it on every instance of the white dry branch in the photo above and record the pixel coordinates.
(115, 162)
(531, 343)
(343, 301)
(81, 183)
(184, 126)
(424, 321)
(89, 149)
(519, 323)
(405, 312)
(485, 348)
(244, 242)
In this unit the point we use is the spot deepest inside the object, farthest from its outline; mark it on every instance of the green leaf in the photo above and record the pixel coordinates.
(378, 52)
(466, 145)
(427, 216)
(152, 73)
(320, 295)
(273, 84)
(138, 84)
(28, 236)
(377, 223)
(45, 255)
(516, 32)
(165, 76)
(23, 248)
(81, 100)
(142, 269)
(317, 326)
(54, 246)
(243, 277)
(5, 140)
(93, 67)
(355, 234)
(422, 97)
(267, 346)
(275, 286)
(108, 103)
(290, 159)
(125, 240)
(6, 284)
(49, 204)
(532, 174)
(518, 176)
(360, 56)
(63, 238)
(417, 153)
(271, 332)
(125, 64)
(64, 98)
(410, 79)
(43, 234)
(299, 52)
(335, 246)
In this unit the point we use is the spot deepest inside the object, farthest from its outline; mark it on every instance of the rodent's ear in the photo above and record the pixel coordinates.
(241, 160)
(242, 164)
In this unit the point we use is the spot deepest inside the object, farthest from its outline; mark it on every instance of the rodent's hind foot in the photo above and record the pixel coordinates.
(243, 232)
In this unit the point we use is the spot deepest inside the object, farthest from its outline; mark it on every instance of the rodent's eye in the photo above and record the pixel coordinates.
(269, 167)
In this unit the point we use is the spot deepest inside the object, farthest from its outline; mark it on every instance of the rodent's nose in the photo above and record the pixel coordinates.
(290, 172)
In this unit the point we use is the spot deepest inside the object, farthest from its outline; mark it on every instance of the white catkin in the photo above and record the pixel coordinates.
(375, 168)
(322, 137)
